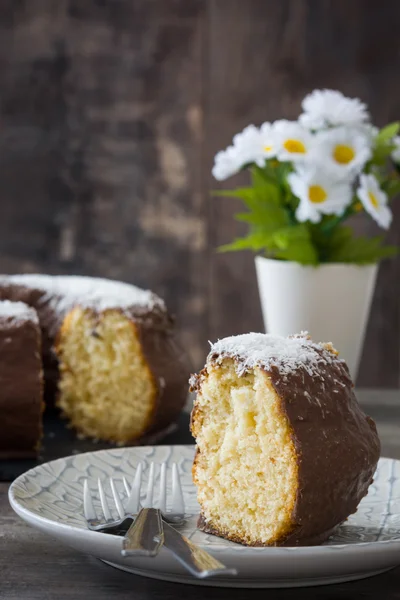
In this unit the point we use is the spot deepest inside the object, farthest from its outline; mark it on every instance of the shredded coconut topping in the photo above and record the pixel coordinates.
(264, 350)
(17, 311)
(192, 381)
(66, 291)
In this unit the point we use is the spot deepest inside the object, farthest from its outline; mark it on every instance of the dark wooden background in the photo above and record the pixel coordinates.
(111, 113)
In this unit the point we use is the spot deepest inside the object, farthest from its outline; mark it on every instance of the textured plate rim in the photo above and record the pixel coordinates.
(33, 516)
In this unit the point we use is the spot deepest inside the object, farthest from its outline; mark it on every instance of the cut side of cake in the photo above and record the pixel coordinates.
(109, 352)
(284, 451)
(106, 387)
(21, 381)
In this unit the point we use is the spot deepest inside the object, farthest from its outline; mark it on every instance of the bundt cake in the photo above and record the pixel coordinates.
(284, 451)
(21, 381)
(109, 354)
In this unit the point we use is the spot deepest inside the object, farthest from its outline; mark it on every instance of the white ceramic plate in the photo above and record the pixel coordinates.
(49, 498)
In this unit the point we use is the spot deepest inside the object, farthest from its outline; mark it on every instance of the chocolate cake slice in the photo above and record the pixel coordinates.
(284, 451)
(21, 381)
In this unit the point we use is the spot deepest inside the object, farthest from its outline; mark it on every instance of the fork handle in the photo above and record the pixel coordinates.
(145, 536)
(196, 560)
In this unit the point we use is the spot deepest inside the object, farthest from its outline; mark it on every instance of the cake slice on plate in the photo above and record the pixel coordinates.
(284, 451)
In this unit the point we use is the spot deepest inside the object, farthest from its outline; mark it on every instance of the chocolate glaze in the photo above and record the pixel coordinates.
(49, 324)
(21, 386)
(169, 366)
(337, 448)
(166, 361)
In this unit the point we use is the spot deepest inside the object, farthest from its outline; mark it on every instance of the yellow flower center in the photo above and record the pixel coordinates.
(373, 199)
(317, 194)
(295, 146)
(267, 148)
(343, 154)
(358, 207)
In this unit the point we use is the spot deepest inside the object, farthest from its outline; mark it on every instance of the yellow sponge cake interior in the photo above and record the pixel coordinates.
(246, 469)
(106, 388)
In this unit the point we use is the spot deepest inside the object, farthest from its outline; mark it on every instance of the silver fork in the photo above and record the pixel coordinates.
(152, 528)
(149, 524)
(177, 514)
(196, 560)
(108, 523)
(146, 532)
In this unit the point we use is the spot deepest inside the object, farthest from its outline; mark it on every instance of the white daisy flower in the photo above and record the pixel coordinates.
(324, 108)
(268, 140)
(255, 145)
(226, 163)
(370, 130)
(342, 152)
(396, 152)
(374, 200)
(248, 145)
(318, 194)
(293, 142)
(252, 145)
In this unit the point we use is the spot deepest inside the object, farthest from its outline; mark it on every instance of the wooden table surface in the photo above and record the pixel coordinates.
(35, 567)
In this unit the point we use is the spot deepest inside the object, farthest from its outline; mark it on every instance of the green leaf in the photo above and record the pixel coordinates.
(262, 176)
(268, 192)
(295, 243)
(387, 133)
(247, 217)
(242, 193)
(288, 243)
(254, 241)
(339, 237)
(265, 207)
(345, 248)
(287, 235)
(391, 187)
(268, 217)
(381, 153)
(342, 246)
(264, 188)
(301, 252)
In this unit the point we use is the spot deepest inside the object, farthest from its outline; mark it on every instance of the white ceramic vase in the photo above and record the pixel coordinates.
(331, 302)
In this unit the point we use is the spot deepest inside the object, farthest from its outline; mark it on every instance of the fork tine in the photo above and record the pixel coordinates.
(177, 495)
(88, 508)
(117, 499)
(150, 488)
(132, 505)
(163, 488)
(103, 501)
(126, 486)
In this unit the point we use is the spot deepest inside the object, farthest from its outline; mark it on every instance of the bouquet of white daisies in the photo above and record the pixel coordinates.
(309, 176)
